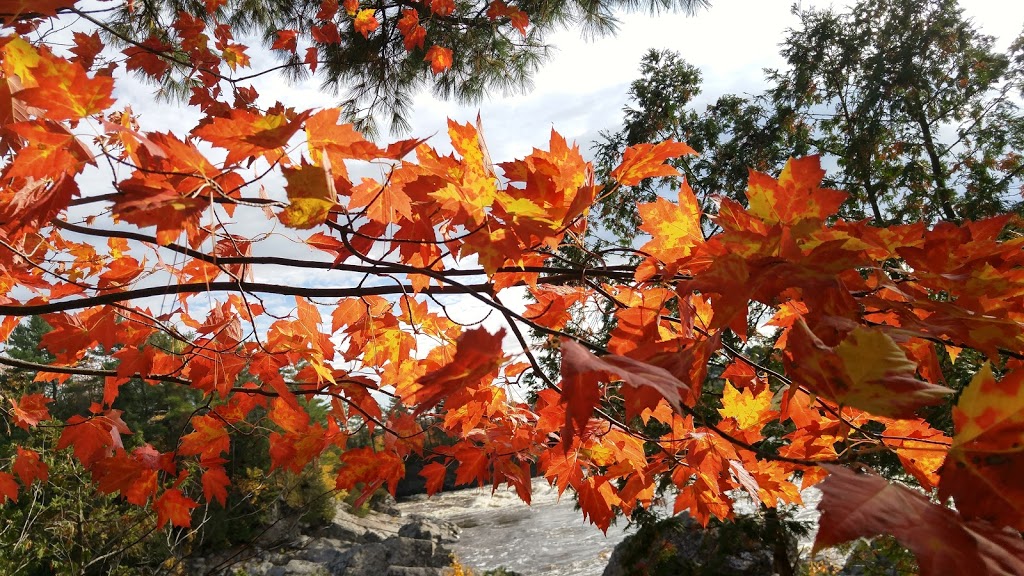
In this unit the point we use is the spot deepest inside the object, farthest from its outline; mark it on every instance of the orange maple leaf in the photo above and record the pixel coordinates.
(440, 59)
(434, 474)
(519, 19)
(247, 134)
(29, 467)
(146, 57)
(50, 151)
(127, 475)
(87, 47)
(93, 438)
(920, 448)
(234, 56)
(477, 357)
(648, 161)
(215, 485)
(442, 7)
(61, 88)
(8, 488)
(674, 228)
(867, 370)
(209, 438)
(12, 10)
(795, 196)
(30, 410)
(328, 9)
(311, 196)
(596, 498)
(365, 22)
(338, 141)
(552, 306)
(582, 371)
(285, 40)
(366, 470)
(751, 411)
(413, 34)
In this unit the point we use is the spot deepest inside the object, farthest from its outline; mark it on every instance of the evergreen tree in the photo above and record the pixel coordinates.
(495, 45)
(910, 99)
(917, 115)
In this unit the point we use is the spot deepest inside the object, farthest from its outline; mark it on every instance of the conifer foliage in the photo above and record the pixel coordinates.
(198, 232)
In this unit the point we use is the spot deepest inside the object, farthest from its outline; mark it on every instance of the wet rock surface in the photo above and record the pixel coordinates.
(680, 546)
(371, 544)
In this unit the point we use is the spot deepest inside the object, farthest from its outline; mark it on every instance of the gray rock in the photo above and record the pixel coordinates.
(681, 546)
(424, 529)
(282, 531)
(384, 503)
(373, 559)
(277, 558)
(374, 544)
(373, 527)
(409, 571)
(297, 567)
(322, 550)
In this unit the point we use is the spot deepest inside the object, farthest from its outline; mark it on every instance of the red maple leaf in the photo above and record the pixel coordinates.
(863, 505)
(8, 488)
(29, 467)
(174, 507)
(477, 357)
(30, 410)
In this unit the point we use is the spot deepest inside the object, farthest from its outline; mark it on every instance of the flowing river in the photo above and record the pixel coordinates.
(547, 538)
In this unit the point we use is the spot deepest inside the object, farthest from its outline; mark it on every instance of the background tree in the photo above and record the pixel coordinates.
(379, 53)
(921, 115)
(731, 136)
(911, 109)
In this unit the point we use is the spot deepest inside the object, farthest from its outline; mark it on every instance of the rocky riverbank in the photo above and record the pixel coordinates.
(375, 543)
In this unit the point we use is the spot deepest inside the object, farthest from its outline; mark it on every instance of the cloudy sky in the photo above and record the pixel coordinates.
(583, 88)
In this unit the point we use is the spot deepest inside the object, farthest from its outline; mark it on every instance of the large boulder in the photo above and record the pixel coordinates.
(882, 556)
(680, 546)
(367, 527)
(426, 529)
(369, 544)
(378, 558)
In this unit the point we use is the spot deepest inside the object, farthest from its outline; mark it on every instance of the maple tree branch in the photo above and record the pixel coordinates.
(383, 267)
(26, 365)
(184, 63)
(201, 287)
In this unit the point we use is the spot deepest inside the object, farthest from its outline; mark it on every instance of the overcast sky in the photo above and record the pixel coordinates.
(583, 89)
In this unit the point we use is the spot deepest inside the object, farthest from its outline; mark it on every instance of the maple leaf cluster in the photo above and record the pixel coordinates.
(864, 317)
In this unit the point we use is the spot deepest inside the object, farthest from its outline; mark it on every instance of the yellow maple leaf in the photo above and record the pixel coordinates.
(795, 196)
(750, 410)
(674, 228)
(311, 196)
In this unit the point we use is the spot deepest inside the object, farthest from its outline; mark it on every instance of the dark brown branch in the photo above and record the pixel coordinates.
(77, 371)
(23, 310)
(622, 272)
